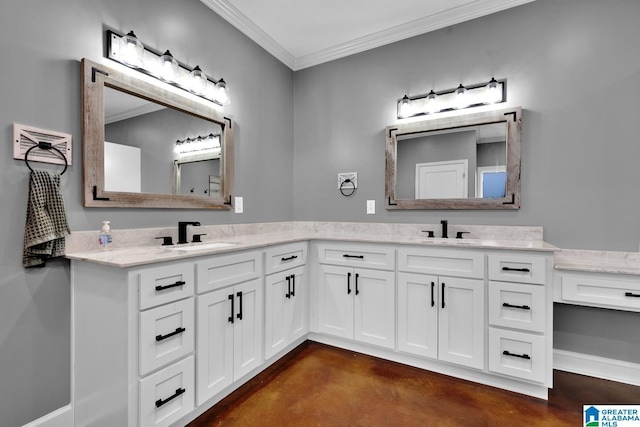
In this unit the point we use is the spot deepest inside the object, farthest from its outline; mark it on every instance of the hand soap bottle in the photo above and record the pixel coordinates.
(104, 240)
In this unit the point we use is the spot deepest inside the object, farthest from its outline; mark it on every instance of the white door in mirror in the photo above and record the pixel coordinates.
(239, 205)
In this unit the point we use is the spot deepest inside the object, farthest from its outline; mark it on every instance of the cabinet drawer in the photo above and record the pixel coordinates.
(221, 271)
(606, 291)
(283, 257)
(438, 261)
(522, 268)
(357, 255)
(517, 354)
(516, 305)
(166, 334)
(167, 395)
(160, 285)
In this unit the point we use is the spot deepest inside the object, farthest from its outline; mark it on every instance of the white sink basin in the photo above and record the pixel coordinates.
(201, 246)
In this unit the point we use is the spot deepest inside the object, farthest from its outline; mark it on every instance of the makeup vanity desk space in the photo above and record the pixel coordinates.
(598, 279)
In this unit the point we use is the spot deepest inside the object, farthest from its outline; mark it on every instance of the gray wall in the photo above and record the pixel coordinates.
(568, 63)
(42, 44)
(573, 67)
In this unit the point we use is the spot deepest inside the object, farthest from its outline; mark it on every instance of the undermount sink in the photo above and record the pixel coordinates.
(201, 246)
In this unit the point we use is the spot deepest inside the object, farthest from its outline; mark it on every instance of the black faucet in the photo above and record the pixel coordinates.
(182, 230)
(444, 223)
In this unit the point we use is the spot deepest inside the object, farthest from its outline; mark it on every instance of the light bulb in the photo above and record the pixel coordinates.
(493, 93)
(460, 98)
(405, 107)
(433, 105)
(221, 92)
(198, 81)
(131, 51)
(167, 67)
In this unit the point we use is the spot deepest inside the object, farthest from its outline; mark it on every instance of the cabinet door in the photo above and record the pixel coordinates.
(418, 314)
(214, 348)
(461, 329)
(285, 310)
(335, 292)
(298, 326)
(277, 293)
(374, 312)
(247, 338)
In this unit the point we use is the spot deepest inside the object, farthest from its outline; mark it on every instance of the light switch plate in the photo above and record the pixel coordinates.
(239, 204)
(371, 207)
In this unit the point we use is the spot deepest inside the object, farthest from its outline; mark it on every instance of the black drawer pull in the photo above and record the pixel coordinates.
(523, 270)
(357, 290)
(178, 283)
(178, 392)
(239, 316)
(293, 285)
(521, 356)
(348, 283)
(288, 294)
(631, 294)
(290, 258)
(231, 317)
(433, 300)
(522, 307)
(442, 296)
(353, 256)
(169, 335)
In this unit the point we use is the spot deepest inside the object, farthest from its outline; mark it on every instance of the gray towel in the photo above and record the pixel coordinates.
(46, 225)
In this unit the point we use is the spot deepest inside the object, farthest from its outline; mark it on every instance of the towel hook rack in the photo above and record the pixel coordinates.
(43, 145)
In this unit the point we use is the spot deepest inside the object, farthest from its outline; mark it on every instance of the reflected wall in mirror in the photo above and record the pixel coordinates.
(461, 162)
(135, 135)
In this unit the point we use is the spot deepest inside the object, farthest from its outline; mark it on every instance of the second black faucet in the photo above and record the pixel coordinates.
(182, 230)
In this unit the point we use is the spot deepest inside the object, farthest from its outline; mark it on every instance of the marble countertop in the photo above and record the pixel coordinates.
(249, 237)
(598, 261)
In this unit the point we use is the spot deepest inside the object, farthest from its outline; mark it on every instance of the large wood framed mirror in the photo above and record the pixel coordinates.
(133, 143)
(469, 161)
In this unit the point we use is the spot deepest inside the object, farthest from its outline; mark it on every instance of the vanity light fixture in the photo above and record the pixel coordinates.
(199, 145)
(493, 92)
(129, 50)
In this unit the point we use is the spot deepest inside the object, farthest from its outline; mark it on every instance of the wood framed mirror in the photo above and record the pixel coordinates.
(132, 127)
(469, 161)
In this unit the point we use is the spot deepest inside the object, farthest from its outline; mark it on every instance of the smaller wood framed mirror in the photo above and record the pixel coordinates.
(469, 161)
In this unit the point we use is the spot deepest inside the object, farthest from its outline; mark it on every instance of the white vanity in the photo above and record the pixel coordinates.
(160, 335)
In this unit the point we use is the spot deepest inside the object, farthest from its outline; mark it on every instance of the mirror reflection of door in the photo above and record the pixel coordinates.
(442, 180)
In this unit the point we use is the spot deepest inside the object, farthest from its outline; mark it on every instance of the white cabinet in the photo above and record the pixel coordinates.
(353, 302)
(286, 297)
(133, 334)
(442, 317)
(229, 324)
(519, 326)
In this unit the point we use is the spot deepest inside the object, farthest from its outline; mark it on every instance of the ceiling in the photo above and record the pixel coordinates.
(305, 33)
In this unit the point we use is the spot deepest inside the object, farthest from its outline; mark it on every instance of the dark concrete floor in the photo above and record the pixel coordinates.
(319, 385)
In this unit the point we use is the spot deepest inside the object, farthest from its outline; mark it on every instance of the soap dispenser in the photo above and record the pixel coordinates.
(104, 240)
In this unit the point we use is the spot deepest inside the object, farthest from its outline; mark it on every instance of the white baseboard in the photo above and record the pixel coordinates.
(62, 417)
(595, 366)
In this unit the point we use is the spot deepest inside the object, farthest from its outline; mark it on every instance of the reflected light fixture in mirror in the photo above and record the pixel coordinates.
(130, 51)
(493, 92)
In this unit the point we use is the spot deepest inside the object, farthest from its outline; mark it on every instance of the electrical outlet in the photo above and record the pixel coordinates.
(371, 207)
(351, 176)
(239, 205)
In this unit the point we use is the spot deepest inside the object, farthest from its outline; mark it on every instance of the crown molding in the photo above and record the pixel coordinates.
(236, 18)
(444, 19)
